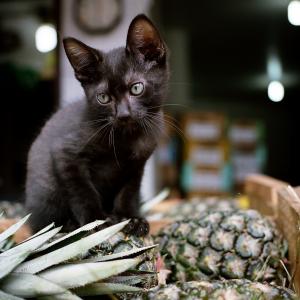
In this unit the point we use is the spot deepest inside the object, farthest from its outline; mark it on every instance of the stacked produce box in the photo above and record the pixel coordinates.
(247, 149)
(167, 157)
(205, 157)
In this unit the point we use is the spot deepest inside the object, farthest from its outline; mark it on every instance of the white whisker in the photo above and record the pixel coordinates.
(94, 135)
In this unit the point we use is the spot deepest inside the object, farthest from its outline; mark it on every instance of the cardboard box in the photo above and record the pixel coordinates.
(245, 133)
(205, 181)
(280, 201)
(204, 127)
(207, 156)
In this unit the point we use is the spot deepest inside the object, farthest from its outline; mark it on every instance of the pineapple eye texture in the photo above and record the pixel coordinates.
(103, 98)
(137, 88)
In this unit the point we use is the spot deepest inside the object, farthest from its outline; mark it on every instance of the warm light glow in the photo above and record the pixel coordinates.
(276, 91)
(45, 38)
(294, 12)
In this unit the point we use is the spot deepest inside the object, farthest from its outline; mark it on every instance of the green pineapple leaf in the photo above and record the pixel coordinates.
(76, 234)
(131, 279)
(76, 275)
(47, 228)
(62, 254)
(12, 229)
(8, 263)
(103, 288)
(29, 285)
(57, 270)
(65, 296)
(9, 297)
(31, 244)
(13, 257)
(124, 254)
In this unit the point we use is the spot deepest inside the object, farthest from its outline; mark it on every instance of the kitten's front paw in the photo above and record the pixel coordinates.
(137, 226)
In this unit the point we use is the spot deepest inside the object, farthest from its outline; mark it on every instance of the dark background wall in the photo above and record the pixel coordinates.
(228, 47)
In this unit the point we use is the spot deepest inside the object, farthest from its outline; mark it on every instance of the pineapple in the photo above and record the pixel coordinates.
(121, 242)
(187, 209)
(192, 208)
(234, 289)
(230, 244)
(12, 209)
(67, 266)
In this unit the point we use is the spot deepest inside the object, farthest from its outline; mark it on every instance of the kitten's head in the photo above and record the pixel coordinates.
(125, 84)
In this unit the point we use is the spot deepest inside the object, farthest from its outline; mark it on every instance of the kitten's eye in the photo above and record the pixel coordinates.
(137, 88)
(103, 98)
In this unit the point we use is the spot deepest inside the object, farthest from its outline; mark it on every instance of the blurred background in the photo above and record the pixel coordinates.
(232, 105)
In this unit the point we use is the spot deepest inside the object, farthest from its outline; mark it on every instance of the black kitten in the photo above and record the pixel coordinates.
(88, 161)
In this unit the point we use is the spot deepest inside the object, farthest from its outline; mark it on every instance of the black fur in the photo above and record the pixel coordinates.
(88, 161)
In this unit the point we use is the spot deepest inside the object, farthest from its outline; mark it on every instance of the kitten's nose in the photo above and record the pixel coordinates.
(123, 113)
(124, 118)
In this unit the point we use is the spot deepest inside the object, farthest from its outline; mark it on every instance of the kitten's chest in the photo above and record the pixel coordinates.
(109, 173)
(115, 162)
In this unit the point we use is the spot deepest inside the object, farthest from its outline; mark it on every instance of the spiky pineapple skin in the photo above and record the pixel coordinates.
(222, 244)
(194, 207)
(235, 289)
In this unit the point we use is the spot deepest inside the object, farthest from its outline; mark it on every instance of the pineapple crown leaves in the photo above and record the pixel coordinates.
(131, 279)
(32, 244)
(12, 229)
(67, 252)
(25, 285)
(8, 297)
(103, 288)
(65, 296)
(125, 254)
(76, 275)
(11, 258)
(45, 277)
(74, 235)
(45, 229)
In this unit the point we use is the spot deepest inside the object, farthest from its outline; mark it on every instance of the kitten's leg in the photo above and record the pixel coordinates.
(83, 198)
(126, 205)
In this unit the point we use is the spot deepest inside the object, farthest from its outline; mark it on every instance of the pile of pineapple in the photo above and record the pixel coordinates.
(211, 250)
(214, 250)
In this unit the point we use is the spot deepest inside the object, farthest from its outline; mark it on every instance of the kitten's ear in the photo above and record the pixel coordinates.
(144, 41)
(84, 59)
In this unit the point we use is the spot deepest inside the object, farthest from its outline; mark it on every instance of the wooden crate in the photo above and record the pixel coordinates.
(262, 192)
(288, 222)
(281, 202)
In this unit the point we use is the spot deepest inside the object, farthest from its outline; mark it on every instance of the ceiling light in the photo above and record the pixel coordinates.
(294, 12)
(274, 67)
(45, 38)
(276, 91)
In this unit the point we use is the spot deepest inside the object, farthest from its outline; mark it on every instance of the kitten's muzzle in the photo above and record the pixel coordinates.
(124, 119)
(123, 113)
